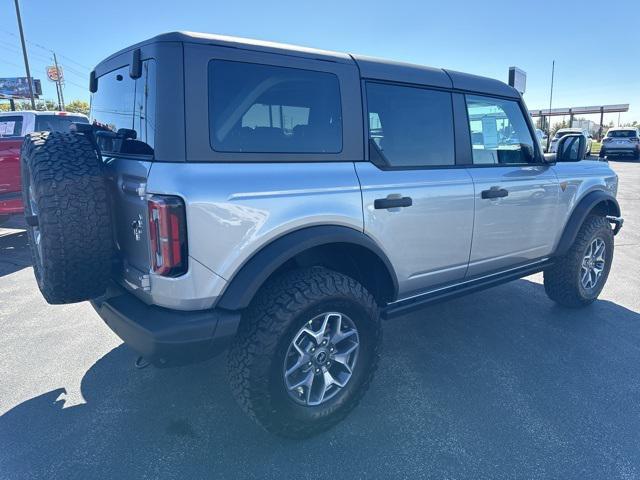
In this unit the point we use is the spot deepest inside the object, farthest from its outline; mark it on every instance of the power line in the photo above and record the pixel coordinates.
(12, 64)
(48, 50)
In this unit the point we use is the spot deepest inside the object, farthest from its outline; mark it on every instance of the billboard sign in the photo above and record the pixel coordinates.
(18, 87)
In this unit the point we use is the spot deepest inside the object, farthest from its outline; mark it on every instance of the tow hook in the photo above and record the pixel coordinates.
(617, 223)
(141, 363)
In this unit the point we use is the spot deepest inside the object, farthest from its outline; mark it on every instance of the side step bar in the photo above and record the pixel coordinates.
(401, 307)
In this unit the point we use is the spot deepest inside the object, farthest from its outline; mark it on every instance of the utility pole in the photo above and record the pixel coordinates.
(59, 81)
(553, 71)
(24, 53)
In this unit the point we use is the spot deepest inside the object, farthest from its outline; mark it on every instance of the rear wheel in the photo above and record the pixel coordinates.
(577, 278)
(306, 352)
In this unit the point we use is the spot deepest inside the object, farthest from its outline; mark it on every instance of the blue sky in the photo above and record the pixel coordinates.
(596, 45)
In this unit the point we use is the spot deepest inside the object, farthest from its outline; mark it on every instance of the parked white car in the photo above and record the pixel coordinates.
(565, 131)
(542, 138)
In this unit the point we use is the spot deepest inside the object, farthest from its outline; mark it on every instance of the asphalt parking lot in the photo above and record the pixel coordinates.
(499, 384)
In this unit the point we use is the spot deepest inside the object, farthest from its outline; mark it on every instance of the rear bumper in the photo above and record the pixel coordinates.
(166, 337)
(11, 203)
(622, 150)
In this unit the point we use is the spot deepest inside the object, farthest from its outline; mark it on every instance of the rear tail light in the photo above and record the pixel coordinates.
(168, 235)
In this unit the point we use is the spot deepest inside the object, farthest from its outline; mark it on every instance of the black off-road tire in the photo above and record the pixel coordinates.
(69, 208)
(280, 309)
(562, 281)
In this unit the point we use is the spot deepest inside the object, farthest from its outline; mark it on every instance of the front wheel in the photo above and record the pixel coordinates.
(306, 352)
(577, 278)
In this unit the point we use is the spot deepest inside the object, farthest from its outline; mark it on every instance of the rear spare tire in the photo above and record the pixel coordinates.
(67, 211)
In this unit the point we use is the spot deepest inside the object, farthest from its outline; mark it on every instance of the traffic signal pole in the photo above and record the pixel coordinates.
(24, 53)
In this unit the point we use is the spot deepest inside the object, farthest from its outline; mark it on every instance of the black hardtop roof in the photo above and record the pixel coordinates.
(373, 68)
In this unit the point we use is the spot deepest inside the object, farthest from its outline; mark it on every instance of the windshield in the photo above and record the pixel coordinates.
(622, 134)
(57, 123)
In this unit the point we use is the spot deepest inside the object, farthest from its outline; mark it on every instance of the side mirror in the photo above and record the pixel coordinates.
(571, 148)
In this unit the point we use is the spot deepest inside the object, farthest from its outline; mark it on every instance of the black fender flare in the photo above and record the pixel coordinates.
(255, 271)
(579, 214)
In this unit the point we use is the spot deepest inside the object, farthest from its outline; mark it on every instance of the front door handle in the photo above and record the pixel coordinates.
(495, 192)
(384, 203)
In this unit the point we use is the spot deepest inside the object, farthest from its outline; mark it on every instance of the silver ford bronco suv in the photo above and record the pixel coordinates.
(280, 200)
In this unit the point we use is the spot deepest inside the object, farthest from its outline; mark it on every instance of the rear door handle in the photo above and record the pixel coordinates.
(384, 203)
(495, 192)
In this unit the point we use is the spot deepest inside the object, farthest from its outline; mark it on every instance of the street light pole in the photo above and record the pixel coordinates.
(24, 53)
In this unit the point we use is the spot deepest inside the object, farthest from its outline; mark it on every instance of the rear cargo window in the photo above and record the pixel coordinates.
(622, 134)
(266, 109)
(10, 126)
(124, 109)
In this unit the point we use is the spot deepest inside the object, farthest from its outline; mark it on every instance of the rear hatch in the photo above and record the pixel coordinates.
(128, 180)
(622, 139)
(123, 111)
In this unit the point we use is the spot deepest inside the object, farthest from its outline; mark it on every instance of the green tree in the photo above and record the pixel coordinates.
(78, 106)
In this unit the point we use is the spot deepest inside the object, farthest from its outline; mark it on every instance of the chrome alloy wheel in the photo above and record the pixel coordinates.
(321, 358)
(593, 264)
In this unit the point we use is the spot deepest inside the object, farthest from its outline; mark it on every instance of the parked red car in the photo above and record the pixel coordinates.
(13, 127)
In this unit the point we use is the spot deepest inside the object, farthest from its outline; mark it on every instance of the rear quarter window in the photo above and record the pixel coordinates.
(267, 109)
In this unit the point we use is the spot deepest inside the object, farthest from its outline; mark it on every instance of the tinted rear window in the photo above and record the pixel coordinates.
(122, 102)
(266, 109)
(622, 134)
(57, 123)
(410, 127)
(10, 126)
